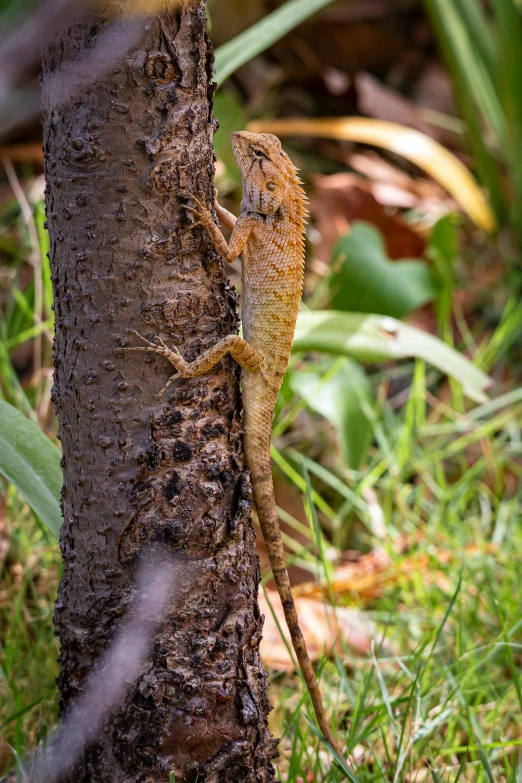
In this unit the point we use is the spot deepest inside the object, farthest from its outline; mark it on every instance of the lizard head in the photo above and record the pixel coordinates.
(266, 169)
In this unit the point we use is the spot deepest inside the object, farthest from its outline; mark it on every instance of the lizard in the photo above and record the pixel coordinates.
(269, 234)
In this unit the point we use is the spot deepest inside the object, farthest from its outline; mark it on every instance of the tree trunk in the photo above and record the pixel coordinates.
(140, 469)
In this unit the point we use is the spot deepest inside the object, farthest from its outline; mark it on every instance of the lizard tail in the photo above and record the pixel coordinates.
(263, 489)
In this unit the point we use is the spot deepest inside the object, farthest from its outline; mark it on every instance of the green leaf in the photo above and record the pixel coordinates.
(472, 67)
(365, 280)
(263, 34)
(443, 251)
(477, 22)
(31, 462)
(458, 53)
(443, 246)
(509, 45)
(231, 117)
(340, 395)
(377, 338)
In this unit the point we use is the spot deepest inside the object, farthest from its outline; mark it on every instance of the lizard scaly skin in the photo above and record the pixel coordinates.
(270, 235)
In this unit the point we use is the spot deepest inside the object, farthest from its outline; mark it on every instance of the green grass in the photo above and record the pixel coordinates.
(449, 695)
(481, 44)
(446, 692)
(28, 649)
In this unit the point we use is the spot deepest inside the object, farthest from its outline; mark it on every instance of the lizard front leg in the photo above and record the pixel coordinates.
(244, 354)
(241, 228)
(224, 216)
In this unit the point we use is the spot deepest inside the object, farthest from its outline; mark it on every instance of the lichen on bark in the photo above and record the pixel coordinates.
(139, 469)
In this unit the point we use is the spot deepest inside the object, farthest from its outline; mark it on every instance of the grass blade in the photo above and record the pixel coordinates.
(471, 66)
(486, 165)
(260, 36)
(339, 759)
(23, 710)
(509, 38)
(476, 22)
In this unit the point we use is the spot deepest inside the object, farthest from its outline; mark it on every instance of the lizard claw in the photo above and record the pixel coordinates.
(139, 348)
(159, 346)
(170, 380)
(198, 215)
(203, 215)
(190, 196)
(193, 210)
(197, 201)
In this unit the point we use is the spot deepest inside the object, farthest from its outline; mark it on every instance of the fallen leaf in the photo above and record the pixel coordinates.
(426, 193)
(323, 628)
(364, 578)
(339, 200)
(377, 100)
(375, 571)
(30, 151)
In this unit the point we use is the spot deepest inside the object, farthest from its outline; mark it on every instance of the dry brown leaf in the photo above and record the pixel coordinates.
(340, 199)
(393, 187)
(364, 578)
(375, 571)
(22, 153)
(324, 629)
(426, 191)
(377, 100)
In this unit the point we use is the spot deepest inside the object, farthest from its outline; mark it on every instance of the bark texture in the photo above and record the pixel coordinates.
(137, 469)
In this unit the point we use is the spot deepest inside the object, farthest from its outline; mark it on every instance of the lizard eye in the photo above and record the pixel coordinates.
(271, 186)
(259, 154)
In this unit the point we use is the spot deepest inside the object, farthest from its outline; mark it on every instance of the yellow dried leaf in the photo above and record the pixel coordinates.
(411, 144)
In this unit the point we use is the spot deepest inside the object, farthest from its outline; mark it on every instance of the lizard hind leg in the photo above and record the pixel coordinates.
(244, 354)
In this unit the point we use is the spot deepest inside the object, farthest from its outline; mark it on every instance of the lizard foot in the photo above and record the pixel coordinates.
(200, 211)
(172, 354)
(191, 197)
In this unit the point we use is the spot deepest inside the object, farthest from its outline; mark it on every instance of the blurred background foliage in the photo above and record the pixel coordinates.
(396, 443)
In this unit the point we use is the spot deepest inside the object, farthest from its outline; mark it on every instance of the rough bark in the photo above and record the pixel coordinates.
(137, 469)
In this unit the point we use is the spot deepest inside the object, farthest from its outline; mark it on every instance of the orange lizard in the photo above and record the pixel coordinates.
(269, 233)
